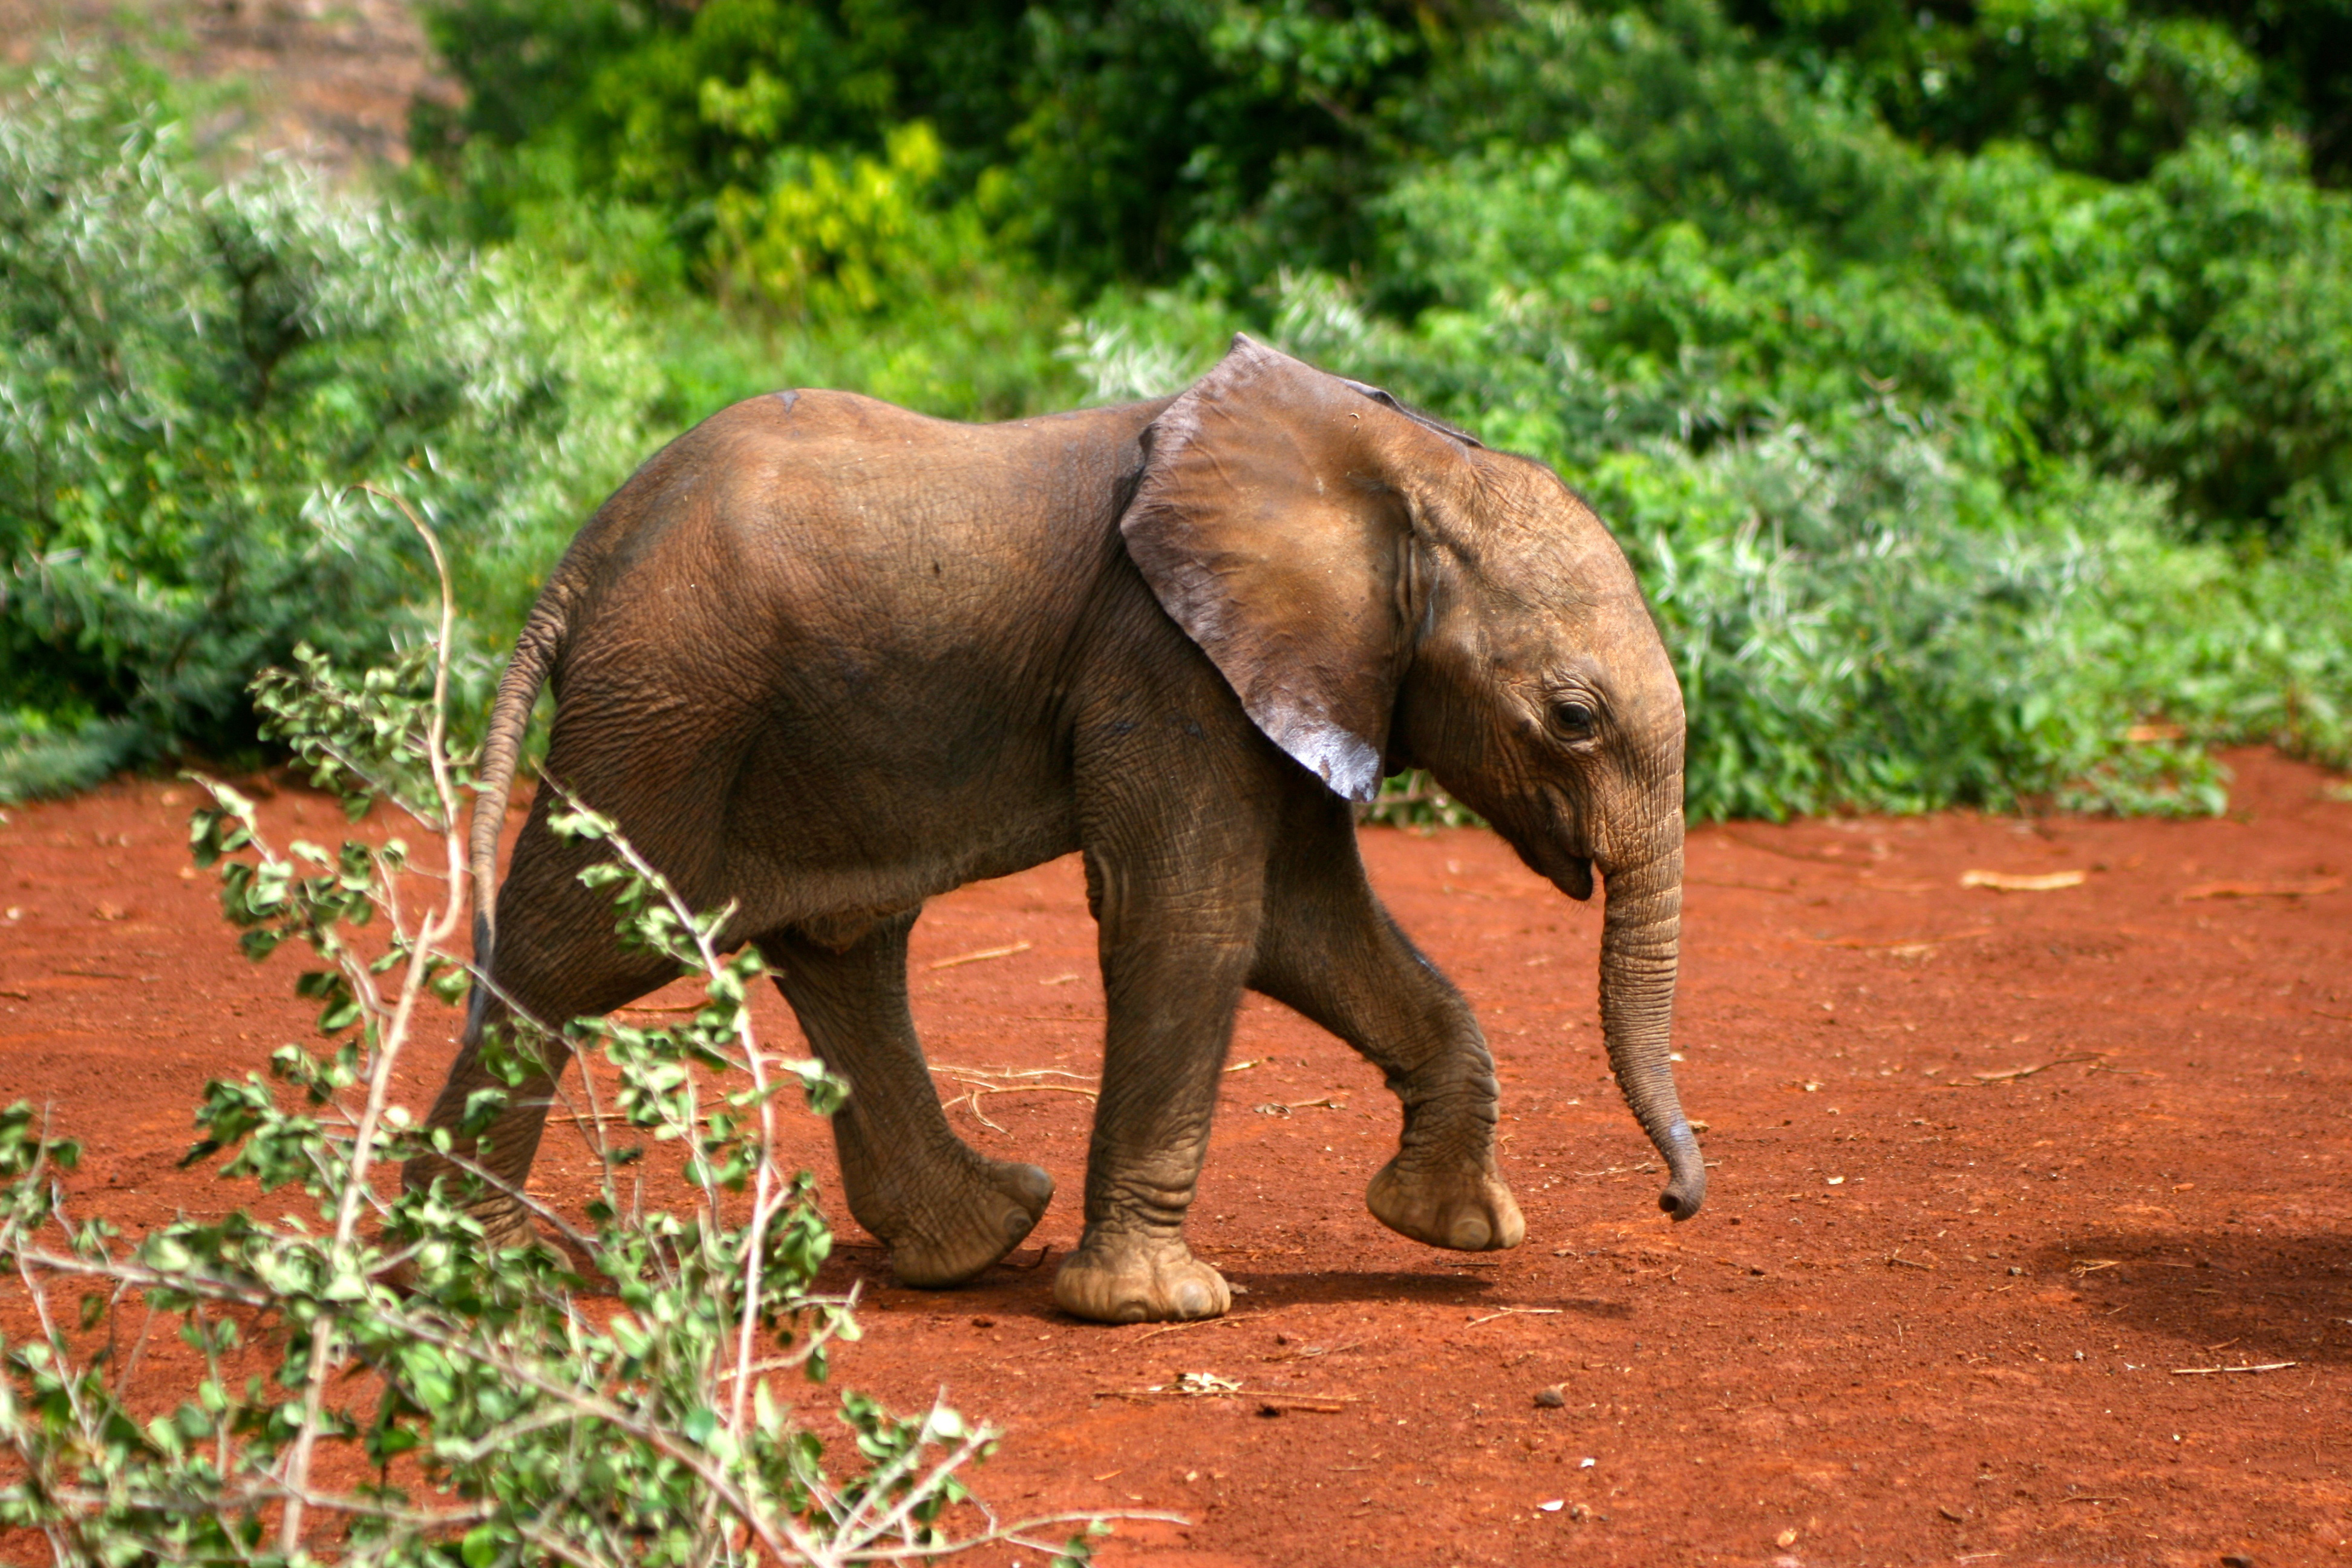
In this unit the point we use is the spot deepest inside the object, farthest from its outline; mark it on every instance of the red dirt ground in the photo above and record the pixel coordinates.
(328, 81)
(1933, 1311)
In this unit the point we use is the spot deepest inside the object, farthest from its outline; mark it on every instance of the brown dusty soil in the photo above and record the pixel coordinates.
(1936, 1310)
(328, 81)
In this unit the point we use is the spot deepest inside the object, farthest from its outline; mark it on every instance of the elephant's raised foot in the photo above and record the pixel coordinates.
(505, 1225)
(944, 1237)
(1126, 1279)
(1465, 1211)
(506, 1222)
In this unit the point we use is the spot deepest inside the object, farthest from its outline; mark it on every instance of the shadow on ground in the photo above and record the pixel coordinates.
(2257, 1296)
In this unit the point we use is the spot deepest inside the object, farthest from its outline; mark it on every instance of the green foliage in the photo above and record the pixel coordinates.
(477, 1409)
(1715, 243)
(1413, 799)
(191, 376)
(847, 238)
(1111, 138)
(2106, 86)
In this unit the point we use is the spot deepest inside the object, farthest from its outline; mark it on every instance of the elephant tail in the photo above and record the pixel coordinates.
(527, 671)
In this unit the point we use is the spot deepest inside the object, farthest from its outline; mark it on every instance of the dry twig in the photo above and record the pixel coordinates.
(2008, 882)
(1311, 1352)
(980, 1082)
(2012, 1074)
(983, 953)
(978, 1092)
(1818, 856)
(1175, 1328)
(1226, 1388)
(1517, 1312)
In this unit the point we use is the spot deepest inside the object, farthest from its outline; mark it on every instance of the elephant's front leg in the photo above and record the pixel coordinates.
(1332, 951)
(1174, 959)
(946, 1211)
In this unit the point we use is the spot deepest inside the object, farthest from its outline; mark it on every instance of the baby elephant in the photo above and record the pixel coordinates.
(826, 658)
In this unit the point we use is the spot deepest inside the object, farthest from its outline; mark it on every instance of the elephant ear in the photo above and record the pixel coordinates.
(1274, 520)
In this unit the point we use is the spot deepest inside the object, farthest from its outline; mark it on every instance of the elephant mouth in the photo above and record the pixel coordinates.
(1561, 863)
(1543, 831)
(1573, 876)
(1570, 873)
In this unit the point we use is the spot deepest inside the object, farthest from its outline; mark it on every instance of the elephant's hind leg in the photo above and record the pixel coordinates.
(586, 977)
(946, 1211)
(557, 958)
(1330, 950)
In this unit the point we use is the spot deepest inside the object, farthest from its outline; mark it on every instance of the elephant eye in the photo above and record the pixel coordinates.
(1572, 719)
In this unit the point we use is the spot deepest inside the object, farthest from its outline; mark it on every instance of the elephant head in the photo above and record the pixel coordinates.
(1382, 592)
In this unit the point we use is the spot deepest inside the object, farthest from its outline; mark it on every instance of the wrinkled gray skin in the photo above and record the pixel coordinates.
(828, 658)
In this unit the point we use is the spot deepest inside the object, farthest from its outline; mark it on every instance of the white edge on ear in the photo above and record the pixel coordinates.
(1345, 762)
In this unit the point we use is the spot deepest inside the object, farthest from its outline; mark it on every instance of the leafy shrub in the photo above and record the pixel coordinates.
(192, 376)
(2190, 329)
(1905, 448)
(1718, 242)
(2106, 87)
(1112, 137)
(490, 1417)
(847, 236)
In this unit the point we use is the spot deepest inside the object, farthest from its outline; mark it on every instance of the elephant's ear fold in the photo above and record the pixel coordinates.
(1274, 521)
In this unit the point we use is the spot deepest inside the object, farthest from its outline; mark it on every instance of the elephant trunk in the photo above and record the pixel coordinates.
(1641, 938)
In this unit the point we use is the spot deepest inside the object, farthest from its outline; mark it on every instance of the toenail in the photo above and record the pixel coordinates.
(1191, 1299)
(1470, 1233)
(1034, 1184)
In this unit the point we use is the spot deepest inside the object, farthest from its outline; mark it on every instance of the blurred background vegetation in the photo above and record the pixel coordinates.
(1971, 383)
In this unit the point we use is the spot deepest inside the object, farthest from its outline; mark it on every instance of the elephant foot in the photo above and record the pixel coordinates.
(1128, 1279)
(505, 1219)
(1463, 1211)
(954, 1228)
(506, 1227)
(506, 1224)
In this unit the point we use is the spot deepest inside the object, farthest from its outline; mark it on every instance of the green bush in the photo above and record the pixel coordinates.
(193, 377)
(1943, 473)
(1109, 138)
(1719, 244)
(432, 1402)
(2107, 86)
